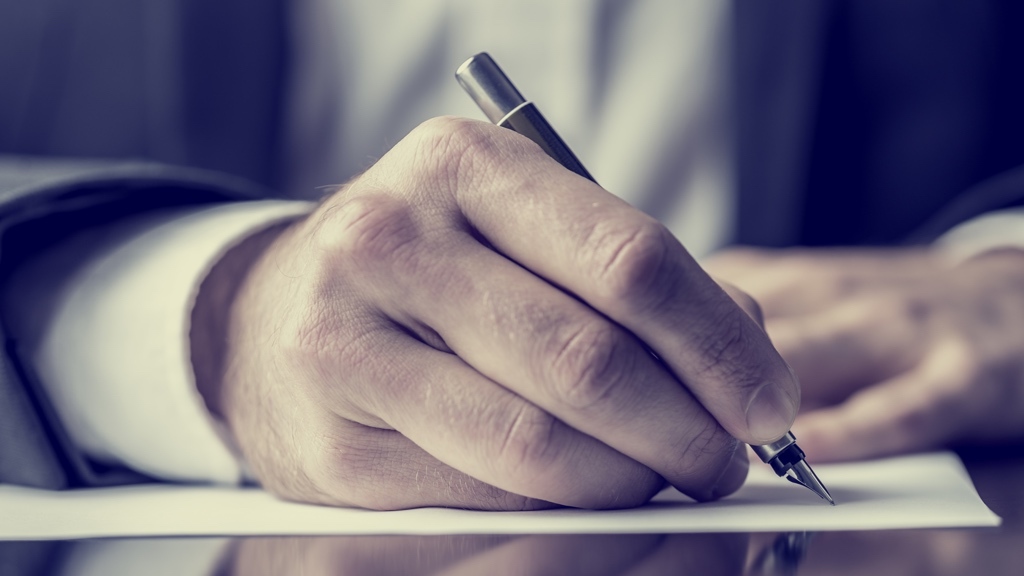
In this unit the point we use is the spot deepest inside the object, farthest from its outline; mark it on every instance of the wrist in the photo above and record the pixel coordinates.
(212, 313)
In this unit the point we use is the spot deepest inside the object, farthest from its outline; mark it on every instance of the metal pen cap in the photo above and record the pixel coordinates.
(489, 87)
(503, 105)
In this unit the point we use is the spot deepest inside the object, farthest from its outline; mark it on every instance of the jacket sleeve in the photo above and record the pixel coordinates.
(42, 203)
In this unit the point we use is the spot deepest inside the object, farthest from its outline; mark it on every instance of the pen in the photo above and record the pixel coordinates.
(503, 105)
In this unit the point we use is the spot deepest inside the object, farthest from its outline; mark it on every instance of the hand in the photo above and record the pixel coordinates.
(469, 324)
(896, 350)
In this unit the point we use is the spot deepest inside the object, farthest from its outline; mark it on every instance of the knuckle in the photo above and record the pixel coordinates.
(589, 361)
(629, 262)
(440, 131)
(529, 440)
(450, 148)
(369, 229)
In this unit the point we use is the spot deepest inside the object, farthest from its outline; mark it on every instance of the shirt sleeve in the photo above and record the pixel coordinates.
(1002, 229)
(104, 320)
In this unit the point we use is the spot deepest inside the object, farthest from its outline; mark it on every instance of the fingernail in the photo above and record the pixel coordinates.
(734, 475)
(770, 413)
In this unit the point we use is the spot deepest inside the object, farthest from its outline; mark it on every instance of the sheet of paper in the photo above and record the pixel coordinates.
(923, 491)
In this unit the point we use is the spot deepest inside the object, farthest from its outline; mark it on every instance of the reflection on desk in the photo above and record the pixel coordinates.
(995, 551)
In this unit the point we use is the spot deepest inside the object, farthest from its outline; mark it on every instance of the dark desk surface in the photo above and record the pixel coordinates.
(989, 551)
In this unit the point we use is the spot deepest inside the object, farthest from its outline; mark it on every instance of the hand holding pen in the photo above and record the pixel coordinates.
(481, 77)
(468, 323)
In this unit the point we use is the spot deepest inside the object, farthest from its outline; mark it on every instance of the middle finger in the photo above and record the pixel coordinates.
(561, 355)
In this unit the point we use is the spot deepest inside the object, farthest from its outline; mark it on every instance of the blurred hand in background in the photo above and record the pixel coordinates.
(896, 350)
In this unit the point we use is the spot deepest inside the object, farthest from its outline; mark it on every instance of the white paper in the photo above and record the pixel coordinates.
(923, 491)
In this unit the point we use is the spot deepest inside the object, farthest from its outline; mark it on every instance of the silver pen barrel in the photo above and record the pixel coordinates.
(503, 105)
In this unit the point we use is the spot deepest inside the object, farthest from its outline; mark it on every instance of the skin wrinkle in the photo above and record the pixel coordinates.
(700, 444)
(587, 357)
(481, 164)
(510, 440)
(521, 196)
(719, 357)
(450, 148)
(375, 232)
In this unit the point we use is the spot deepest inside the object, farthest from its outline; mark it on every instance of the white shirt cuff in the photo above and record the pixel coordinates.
(1003, 229)
(115, 356)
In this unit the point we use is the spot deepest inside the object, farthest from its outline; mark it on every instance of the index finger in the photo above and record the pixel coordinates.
(627, 266)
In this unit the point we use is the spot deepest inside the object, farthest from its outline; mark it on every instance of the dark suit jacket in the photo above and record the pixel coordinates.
(857, 122)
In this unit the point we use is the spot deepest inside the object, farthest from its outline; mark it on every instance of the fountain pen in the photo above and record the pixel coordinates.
(503, 105)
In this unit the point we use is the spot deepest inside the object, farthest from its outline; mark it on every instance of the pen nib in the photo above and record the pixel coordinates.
(787, 459)
(802, 474)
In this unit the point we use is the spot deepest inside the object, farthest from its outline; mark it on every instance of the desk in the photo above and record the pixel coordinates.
(991, 551)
